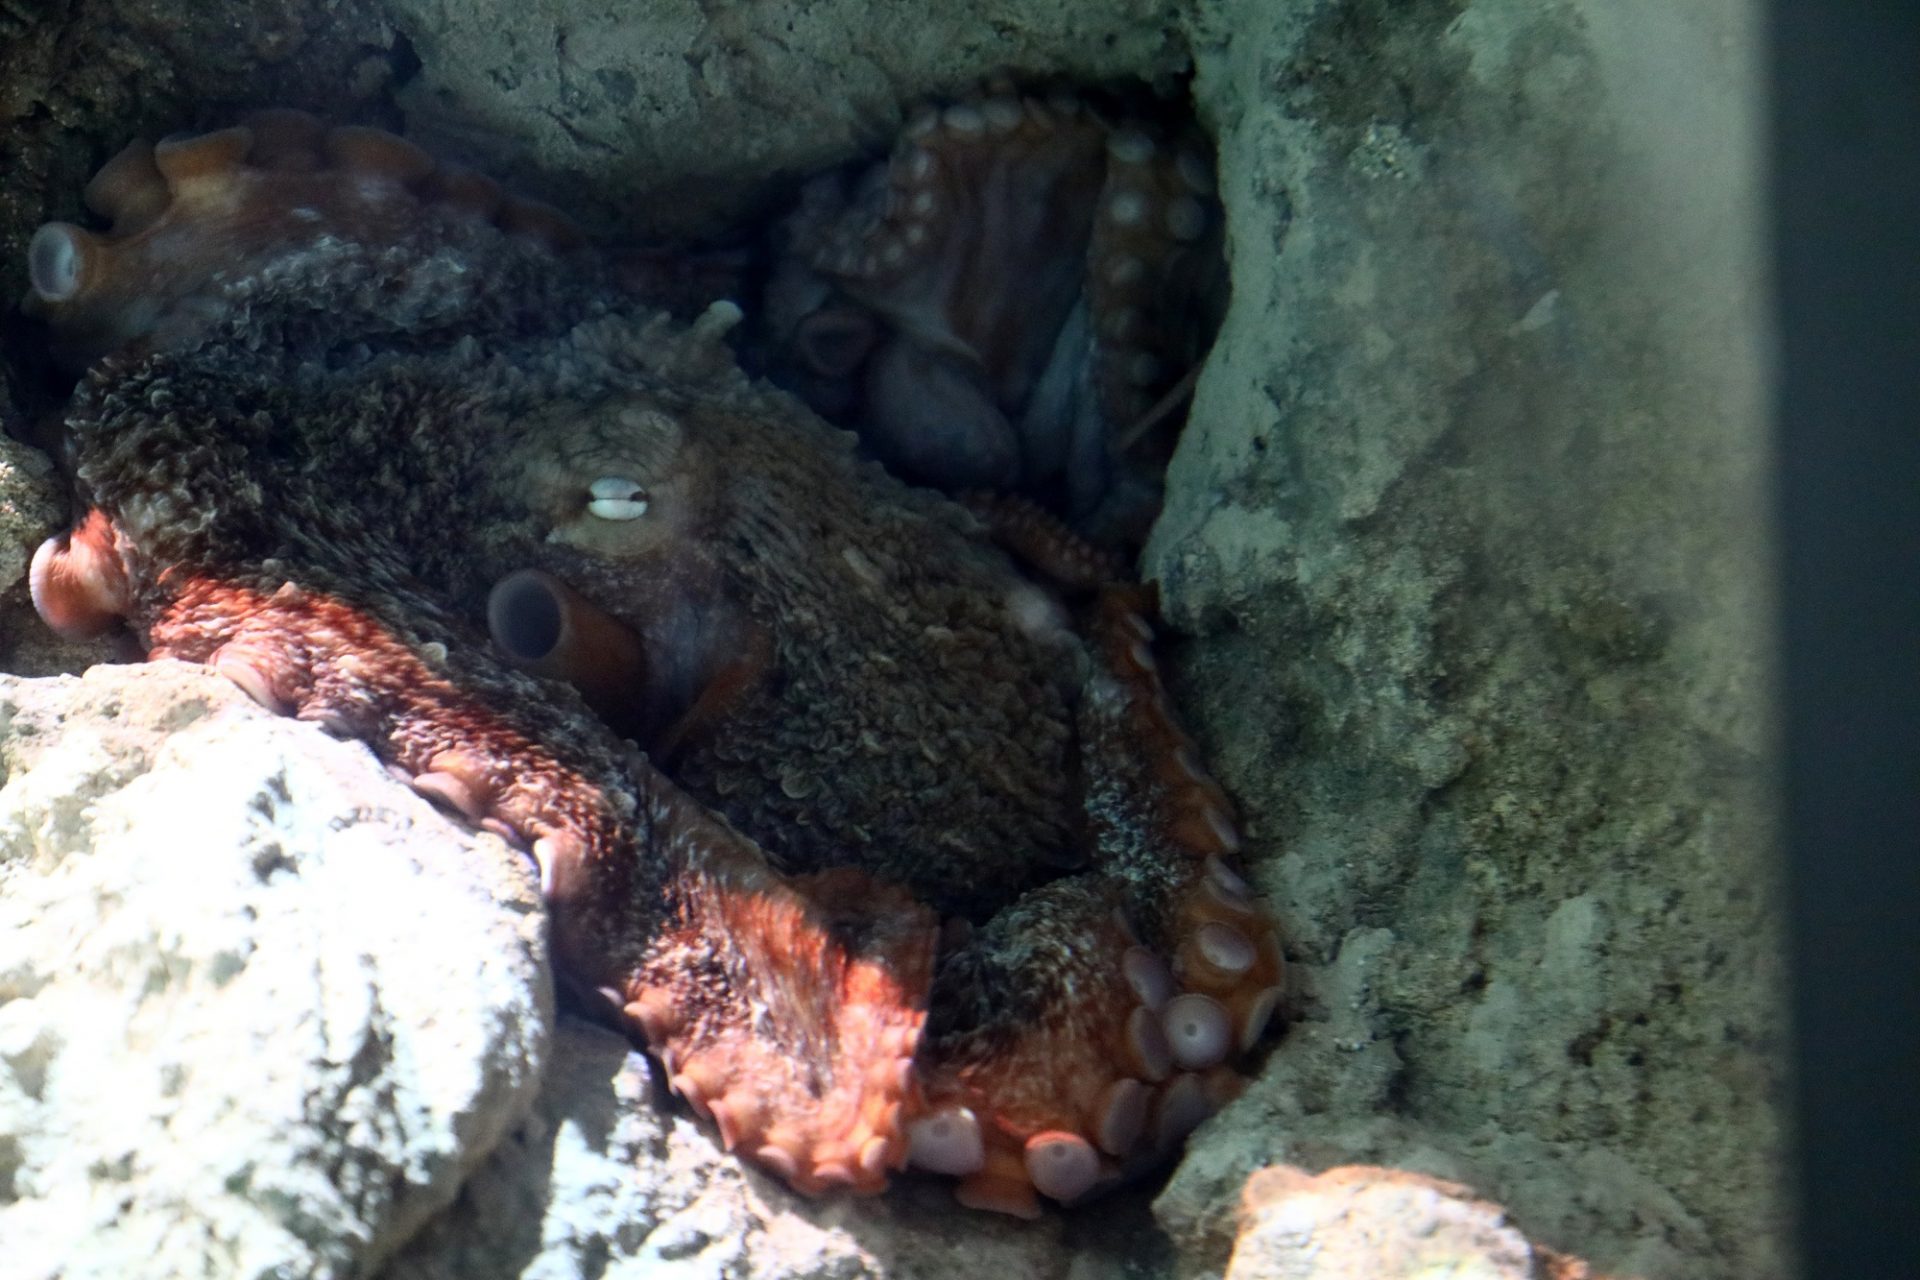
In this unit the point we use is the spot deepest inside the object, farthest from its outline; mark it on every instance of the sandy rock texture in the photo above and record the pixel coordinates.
(1464, 555)
(260, 1013)
(673, 116)
(29, 506)
(1385, 1224)
(1467, 536)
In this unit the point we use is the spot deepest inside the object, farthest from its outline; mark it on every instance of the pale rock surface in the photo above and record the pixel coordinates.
(676, 116)
(1468, 539)
(261, 1010)
(1358, 1222)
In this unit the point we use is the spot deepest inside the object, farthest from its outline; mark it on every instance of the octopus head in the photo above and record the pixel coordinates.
(615, 479)
(620, 498)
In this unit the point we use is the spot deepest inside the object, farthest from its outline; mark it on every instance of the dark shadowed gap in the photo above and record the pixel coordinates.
(1846, 113)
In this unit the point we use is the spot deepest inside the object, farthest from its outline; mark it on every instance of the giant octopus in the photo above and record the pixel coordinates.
(861, 808)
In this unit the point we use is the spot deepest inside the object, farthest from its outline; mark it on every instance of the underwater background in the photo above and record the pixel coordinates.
(1463, 553)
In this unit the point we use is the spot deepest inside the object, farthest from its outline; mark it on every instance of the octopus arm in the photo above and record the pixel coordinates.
(787, 1010)
(189, 214)
(1080, 1034)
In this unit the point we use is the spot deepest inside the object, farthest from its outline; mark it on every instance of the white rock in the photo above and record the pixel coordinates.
(1385, 1224)
(260, 1009)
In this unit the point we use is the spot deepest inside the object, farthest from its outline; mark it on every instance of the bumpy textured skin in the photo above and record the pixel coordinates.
(1016, 298)
(906, 861)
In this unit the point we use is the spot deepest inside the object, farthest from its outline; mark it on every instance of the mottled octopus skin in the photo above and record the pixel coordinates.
(1016, 299)
(906, 861)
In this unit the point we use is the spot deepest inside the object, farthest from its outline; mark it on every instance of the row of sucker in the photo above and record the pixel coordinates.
(1159, 219)
(808, 1074)
(903, 209)
(1230, 955)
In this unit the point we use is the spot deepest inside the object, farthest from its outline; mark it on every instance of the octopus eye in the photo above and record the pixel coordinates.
(616, 498)
(53, 261)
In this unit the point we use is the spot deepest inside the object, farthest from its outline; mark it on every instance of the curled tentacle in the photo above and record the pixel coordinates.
(190, 215)
(79, 581)
(1040, 541)
(1016, 298)
(1138, 982)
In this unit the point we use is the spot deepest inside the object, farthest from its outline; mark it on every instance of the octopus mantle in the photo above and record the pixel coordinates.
(862, 809)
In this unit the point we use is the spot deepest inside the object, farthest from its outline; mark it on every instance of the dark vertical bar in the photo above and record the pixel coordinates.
(1846, 116)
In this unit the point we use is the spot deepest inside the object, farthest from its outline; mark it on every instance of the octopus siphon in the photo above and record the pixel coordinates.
(861, 807)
